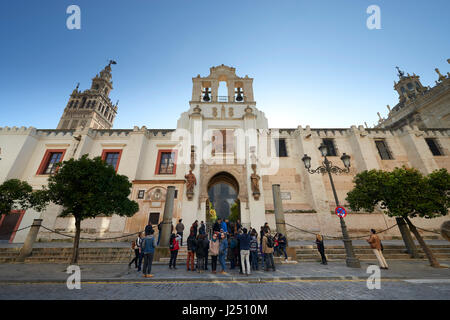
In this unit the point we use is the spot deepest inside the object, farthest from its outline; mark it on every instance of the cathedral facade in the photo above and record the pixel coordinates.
(223, 154)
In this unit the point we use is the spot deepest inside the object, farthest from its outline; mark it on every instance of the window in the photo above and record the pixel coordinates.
(166, 163)
(383, 150)
(434, 146)
(141, 194)
(50, 160)
(280, 147)
(175, 194)
(331, 150)
(112, 157)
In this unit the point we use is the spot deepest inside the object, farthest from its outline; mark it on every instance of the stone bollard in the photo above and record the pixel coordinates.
(27, 247)
(162, 251)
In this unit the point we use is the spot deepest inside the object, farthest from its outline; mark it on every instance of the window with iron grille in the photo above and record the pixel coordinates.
(280, 147)
(331, 150)
(141, 194)
(53, 160)
(434, 146)
(383, 149)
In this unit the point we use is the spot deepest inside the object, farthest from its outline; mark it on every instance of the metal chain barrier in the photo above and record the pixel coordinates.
(339, 238)
(93, 239)
(427, 230)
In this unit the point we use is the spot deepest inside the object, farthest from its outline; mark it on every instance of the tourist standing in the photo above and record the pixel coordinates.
(232, 251)
(200, 251)
(238, 225)
(223, 251)
(137, 245)
(206, 247)
(148, 248)
(214, 244)
(202, 229)
(261, 237)
(268, 251)
(321, 248)
(224, 226)
(216, 226)
(195, 227)
(174, 247)
(375, 244)
(159, 231)
(254, 250)
(191, 247)
(180, 229)
(244, 245)
(282, 244)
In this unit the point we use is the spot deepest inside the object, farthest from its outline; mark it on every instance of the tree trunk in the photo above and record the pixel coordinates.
(76, 241)
(407, 238)
(433, 262)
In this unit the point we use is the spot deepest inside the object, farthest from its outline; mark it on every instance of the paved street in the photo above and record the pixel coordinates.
(403, 280)
(281, 290)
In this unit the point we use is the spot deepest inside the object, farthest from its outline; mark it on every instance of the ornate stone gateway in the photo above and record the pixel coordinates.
(223, 190)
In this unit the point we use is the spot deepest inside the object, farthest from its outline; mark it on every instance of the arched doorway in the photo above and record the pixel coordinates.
(223, 191)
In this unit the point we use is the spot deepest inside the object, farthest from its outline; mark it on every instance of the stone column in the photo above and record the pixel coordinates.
(31, 238)
(162, 251)
(278, 208)
(167, 218)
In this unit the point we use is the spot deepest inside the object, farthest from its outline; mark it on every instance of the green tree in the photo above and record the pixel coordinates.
(234, 216)
(87, 188)
(403, 193)
(19, 195)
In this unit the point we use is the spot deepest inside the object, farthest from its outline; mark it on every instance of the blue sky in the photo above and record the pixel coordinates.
(313, 62)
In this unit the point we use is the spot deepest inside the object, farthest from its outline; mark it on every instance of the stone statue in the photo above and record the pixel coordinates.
(191, 182)
(254, 178)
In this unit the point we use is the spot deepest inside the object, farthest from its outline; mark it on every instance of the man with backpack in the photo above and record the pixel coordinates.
(267, 245)
(148, 249)
(180, 229)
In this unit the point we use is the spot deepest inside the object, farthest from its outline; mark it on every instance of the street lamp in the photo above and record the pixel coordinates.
(327, 167)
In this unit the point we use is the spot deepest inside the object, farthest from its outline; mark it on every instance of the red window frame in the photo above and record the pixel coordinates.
(46, 159)
(106, 151)
(158, 161)
(2, 217)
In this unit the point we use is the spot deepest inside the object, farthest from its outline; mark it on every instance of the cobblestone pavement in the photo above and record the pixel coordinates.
(283, 290)
(121, 272)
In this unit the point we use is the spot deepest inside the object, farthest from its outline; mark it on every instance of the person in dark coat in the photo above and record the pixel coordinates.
(216, 226)
(206, 247)
(191, 248)
(202, 229)
(200, 251)
(321, 248)
(195, 227)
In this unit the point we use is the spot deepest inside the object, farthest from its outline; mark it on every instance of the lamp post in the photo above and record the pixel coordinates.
(327, 167)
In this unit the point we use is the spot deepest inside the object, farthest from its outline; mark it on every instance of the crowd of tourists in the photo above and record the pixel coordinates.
(228, 241)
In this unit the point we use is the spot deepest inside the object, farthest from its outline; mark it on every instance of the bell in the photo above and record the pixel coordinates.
(239, 97)
(206, 95)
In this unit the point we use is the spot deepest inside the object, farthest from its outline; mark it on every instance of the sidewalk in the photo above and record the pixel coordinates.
(20, 273)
